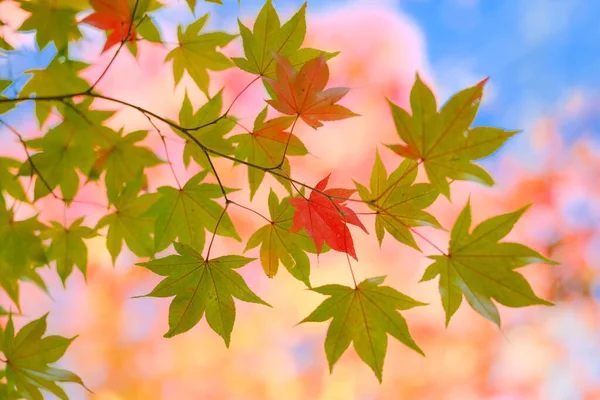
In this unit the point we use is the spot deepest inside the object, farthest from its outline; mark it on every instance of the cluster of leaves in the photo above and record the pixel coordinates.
(81, 150)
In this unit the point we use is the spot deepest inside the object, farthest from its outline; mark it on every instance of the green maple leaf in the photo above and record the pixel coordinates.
(123, 161)
(279, 244)
(67, 247)
(58, 79)
(269, 36)
(481, 269)
(144, 23)
(21, 244)
(53, 21)
(21, 252)
(265, 147)
(444, 141)
(201, 286)
(4, 107)
(10, 183)
(398, 202)
(198, 53)
(84, 125)
(185, 213)
(28, 355)
(11, 274)
(210, 136)
(129, 223)
(61, 155)
(363, 315)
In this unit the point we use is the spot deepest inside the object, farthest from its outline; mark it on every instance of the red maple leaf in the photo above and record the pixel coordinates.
(301, 93)
(113, 16)
(324, 221)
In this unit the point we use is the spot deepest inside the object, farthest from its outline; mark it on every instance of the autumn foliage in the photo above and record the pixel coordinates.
(173, 227)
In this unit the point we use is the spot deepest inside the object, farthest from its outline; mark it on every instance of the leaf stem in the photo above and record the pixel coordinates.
(287, 144)
(212, 166)
(428, 241)
(216, 228)
(162, 138)
(251, 210)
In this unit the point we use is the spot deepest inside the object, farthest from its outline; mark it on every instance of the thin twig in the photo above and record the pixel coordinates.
(123, 41)
(251, 210)
(215, 232)
(162, 138)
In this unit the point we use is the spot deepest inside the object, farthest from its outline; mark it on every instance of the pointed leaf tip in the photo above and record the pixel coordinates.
(483, 82)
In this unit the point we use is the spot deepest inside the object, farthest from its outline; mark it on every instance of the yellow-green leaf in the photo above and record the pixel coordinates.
(201, 287)
(185, 213)
(28, 355)
(364, 316)
(279, 245)
(481, 269)
(198, 53)
(269, 36)
(398, 201)
(444, 141)
(67, 247)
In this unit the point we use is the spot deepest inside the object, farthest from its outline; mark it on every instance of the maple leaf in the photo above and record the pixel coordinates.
(398, 202)
(265, 146)
(481, 269)
(363, 315)
(114, 17)
(21, 244)
(57, 163)
(301, 93)
(185, 213)
(21, 253)
(268, 37)
(210, 136)
(279, 244)
(10, 183)
(67, 247)
(53, 21)
(122, 160)
(325, 219)
(85, 125)
(198, 53)
(128, 222)
(59, 78)
(28, 356)
(444, 141)
(201, 286)
(12, 274)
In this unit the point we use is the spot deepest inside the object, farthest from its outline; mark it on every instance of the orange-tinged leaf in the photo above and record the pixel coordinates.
(325, 218)
(301, 92)
(114, 17)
